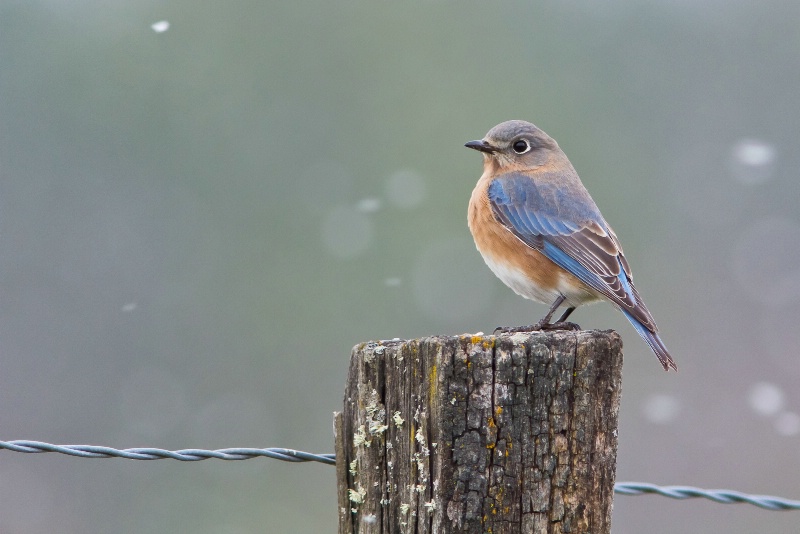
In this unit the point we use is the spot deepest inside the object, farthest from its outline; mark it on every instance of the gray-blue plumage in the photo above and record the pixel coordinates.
(539, 215)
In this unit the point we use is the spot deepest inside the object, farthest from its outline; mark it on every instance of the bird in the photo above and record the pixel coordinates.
(542, 234)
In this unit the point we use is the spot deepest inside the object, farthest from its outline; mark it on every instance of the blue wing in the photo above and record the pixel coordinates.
(563, 223)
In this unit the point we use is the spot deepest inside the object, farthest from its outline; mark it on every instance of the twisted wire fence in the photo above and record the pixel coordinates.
(184, 455)
(724, 496)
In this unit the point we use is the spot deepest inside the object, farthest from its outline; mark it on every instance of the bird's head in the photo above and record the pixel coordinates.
(516, 145)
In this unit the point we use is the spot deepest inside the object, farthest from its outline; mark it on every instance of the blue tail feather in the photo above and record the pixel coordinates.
(655, 343)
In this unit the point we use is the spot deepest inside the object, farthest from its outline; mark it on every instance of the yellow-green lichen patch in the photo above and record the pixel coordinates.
(432, 377)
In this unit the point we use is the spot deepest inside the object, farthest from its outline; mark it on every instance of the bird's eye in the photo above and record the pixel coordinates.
(521, 146)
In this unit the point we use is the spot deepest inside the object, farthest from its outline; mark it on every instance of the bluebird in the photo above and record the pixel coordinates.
(541, 233)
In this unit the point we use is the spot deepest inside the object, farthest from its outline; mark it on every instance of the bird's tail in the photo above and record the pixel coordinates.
(654, 342)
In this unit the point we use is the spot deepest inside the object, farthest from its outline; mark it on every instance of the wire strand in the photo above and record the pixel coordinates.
(724, 496)
(184, 455)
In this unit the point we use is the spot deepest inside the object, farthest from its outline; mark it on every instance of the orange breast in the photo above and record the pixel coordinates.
(522, 268)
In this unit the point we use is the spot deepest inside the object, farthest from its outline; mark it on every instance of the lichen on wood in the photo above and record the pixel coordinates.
(514, 433)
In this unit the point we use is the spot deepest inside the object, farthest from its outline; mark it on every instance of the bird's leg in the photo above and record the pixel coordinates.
(566, 314)
(562, 323)
(545, 323)
(546, 319)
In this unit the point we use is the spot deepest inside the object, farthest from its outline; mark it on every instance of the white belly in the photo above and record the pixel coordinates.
(522, 285)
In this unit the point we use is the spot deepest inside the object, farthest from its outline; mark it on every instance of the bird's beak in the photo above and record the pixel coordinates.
(481, 146)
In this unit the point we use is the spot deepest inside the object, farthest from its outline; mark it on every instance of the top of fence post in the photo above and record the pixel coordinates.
(480, 434)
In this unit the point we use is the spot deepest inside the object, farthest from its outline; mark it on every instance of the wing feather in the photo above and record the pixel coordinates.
(572, 234)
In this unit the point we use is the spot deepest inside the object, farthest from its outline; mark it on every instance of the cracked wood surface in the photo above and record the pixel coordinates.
(480, 434)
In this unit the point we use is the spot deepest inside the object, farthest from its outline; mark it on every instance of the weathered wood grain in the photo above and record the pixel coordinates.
(479, 434)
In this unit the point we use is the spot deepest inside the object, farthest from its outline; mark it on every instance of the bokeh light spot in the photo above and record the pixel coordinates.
(369, 205)
(752, 161)
(661, 409)
(406, 189)
(161, 26)
(346, 232)
(766, 399)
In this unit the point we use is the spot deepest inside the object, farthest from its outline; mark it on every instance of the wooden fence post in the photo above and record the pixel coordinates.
(480, 434)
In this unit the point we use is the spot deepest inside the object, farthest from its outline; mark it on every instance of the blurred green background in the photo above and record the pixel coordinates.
(197, 224)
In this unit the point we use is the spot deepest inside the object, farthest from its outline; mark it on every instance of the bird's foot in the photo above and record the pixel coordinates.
(560, 325)
(538, 327)
(514, 329)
